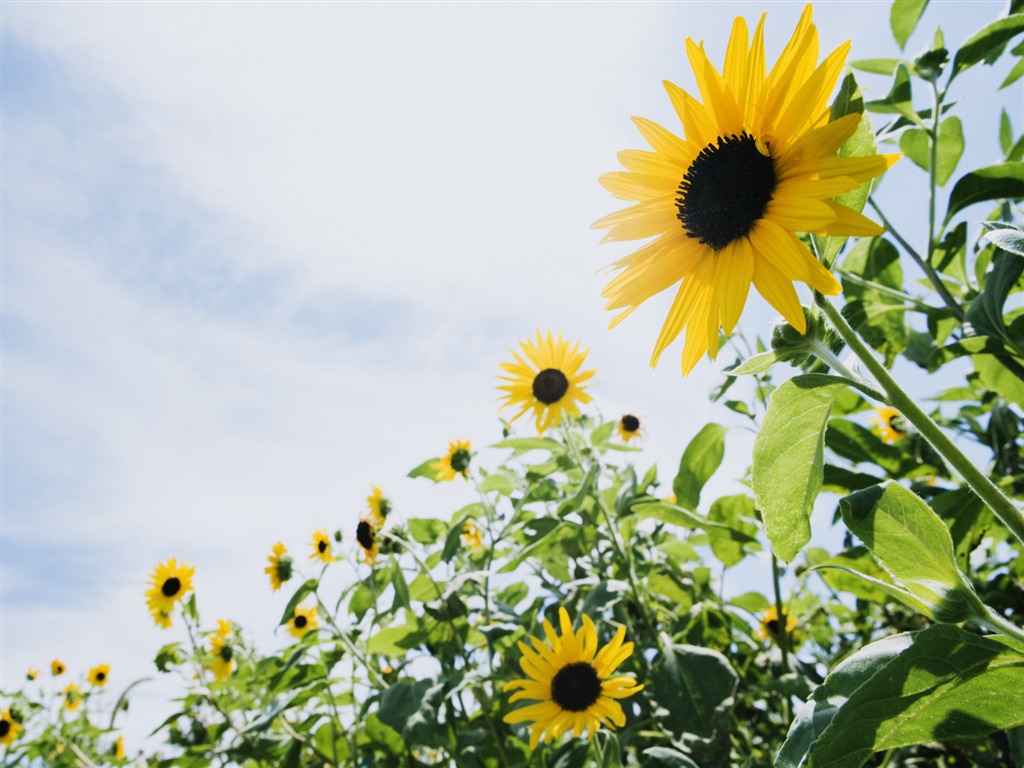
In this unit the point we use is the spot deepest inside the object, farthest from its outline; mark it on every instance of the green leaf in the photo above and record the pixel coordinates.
(737, 514)
(412, 709)
(394, 641)
(903, 17)
(752, 365)
(700, 460)
(666, 757)
(916, 144)
(683, 518)
(1005, 236)
(986, 44)
(996, 182)
(521, 445)
(946, 685)
(876, 66)
(1015, 74)
(913, 545)
(788, 459)
(876, 315)
(1005, 131)
(501, 483)
(424, 470)
(383, 734)
(428, 530)
(985, 314)
(360, 601)
(301, 592)
(693, 685)
(899, 100)
(844, 573)
(996, 377)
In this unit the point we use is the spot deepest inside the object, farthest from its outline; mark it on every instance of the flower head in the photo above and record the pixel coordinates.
(366, 538)
(57, 667)
(889, 424)
(380, 508)
(303, 620)
(455, 462)
(771, 628)
(629, 427)
(280, 568)
(10, 728)
(546, 379)
(72, 696)
(31, 673)
(119, 748)
(170, 583)
(756, 164)
(98, 675)
(321, 546)
(471, 535)
(221, 652)
(571, 681)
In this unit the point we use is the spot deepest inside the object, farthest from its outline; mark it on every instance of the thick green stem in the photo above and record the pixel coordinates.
(987, 491)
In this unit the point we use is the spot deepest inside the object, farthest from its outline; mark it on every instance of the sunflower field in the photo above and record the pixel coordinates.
(576, 614)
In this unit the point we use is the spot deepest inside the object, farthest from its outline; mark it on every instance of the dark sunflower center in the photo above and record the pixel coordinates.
(225, 650)
(460, 460)
(171, 587)
(630, 423)
(576, 687)
(550, 386)
(772, 625)
(364, 535)
(725, 190)
(300, 622)
(284, 568)
(321, 546)
(5, 728)
(101, 676)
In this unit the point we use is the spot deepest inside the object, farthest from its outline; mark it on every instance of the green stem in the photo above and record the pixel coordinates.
(986, 490)
(826, 356)
(781, 634)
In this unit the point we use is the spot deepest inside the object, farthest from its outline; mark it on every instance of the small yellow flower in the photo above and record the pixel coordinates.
(98, 675)
(629, 427)
(471, 535)
(889, 424)
(321, 546)
(303, 621)
(57, 667)
(32, 673)
(170, 582)
(223, 655)
(280, 568)
(119, 748)
(455, 462)
(570, 679)
(366, 537)
(72, 697)
(380, 508)
(546, 379)
(10, 729)
(770, 625)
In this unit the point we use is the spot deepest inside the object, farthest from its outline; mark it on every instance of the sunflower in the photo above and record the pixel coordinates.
(98, 675)
(31, 673)
(223, 657)
(471, 535)
(770, 625)
(170, 583)
(321, 546)
(72, 696)
(303, 620)
(9, 728)
(569, 677)
(280, 568)
(548, 382)
(756, 165)
(628, 427)
(889, 424)
(455, 462)
(57, 667)
(366, 537)
(119, 748)
(380, 507)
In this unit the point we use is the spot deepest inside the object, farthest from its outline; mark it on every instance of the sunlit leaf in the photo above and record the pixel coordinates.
(996, 182)
(700, 460)
(903, 18)
(986, 44)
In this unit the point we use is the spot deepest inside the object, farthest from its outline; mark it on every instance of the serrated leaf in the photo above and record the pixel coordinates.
(903, 18)
(700, 460)
(996, 182)
(788, 459)
(986, 43)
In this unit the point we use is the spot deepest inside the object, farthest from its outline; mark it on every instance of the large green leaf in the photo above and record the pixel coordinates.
(916, 145)
(700, 460)
(947, 684)
(737, 514)
(412, 709)
(903, 17)
(985, 314)
(913, 545)
(693, 685)
(996, 182)
(986, 44)
(788, 459)
(876, 315)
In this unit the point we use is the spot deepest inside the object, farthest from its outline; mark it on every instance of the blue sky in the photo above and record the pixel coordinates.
(258, 257)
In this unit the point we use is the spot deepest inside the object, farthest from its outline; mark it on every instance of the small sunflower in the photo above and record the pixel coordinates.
(170, 583)
(303, 620)
(770, 625)
(547, 382)
(10, 728)
(756, 165)
(629, 427)
(570, 679)
(280, 568)
(366, 537)
(223, 655)
(380, 508)
(890, 424)
(57, 667)
(31, 673)
(98, 675)
(119, 748)
(455, 462)
(72, 697)
(321, 546)
(471, 535)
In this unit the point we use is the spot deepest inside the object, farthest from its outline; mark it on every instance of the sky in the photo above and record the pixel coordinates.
(257, 257)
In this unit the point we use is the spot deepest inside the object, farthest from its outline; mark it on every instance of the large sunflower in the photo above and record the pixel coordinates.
(570, 679)
(455, 462)
(10, 729)
(548, 381)
(757, 163)
(98, 675)
(280, 568)
(170, 583)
